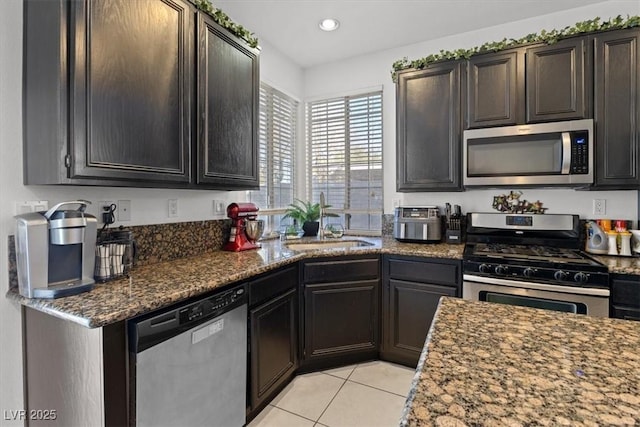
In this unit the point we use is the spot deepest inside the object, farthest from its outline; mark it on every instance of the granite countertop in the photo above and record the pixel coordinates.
(620, 264)
(158, 285)
(486, 364)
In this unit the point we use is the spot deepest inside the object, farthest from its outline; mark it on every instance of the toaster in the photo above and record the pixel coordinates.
(417, 224)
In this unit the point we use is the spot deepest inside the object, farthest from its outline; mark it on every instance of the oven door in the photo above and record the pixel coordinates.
(591, 301)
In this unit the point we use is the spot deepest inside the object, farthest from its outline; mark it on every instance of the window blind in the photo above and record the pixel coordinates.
(277, 136)
(344, 137)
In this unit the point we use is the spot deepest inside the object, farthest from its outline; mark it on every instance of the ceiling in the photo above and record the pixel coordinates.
(366, 26)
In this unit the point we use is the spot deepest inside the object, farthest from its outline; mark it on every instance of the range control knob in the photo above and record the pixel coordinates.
(580, 277)
(529, 272)
(560, 275)
(484, 268)
(501, 269)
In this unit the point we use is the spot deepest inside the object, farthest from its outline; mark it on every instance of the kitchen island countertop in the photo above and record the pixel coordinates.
(159, 285)
(489, 364)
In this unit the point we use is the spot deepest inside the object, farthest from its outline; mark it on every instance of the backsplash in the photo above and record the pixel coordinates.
(387, 224)
(161, 242)
(165, 242)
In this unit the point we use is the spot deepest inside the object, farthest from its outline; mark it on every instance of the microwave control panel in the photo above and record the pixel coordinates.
(579, 153)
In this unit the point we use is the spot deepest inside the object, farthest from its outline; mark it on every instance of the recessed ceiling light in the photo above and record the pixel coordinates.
(329, 24)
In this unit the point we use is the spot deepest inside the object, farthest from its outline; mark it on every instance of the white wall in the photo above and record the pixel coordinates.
(375, 69)
(148, 206)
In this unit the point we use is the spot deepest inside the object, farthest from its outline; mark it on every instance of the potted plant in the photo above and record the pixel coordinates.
(307, 214)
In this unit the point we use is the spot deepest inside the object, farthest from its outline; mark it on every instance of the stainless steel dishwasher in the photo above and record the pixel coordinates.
(189, 363)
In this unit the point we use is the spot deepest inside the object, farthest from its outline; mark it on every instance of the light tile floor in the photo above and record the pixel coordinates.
(368, 394)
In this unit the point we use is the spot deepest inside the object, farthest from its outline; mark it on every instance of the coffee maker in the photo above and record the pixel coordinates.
(242, 238)
(55, 251)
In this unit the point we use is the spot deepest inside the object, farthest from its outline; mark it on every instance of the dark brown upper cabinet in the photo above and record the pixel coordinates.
(107, 91)
(541, 83)
(617, 109)
(110, 97)
(495, 88)
(228, 100)
(428, 128)
(558, 81)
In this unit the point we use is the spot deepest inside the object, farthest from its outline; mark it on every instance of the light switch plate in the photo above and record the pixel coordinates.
(173, 208)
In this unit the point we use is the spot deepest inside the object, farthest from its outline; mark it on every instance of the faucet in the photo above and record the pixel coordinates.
(322, 207)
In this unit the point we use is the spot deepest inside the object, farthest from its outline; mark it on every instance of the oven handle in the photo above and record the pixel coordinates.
(576, 290)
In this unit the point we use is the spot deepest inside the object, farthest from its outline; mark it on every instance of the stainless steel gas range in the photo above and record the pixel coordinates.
(534, 261)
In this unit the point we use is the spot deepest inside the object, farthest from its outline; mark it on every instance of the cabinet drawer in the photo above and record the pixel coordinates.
(272, 284)
(447, 273)
(341, 270)
(626, 313)
(625, 290)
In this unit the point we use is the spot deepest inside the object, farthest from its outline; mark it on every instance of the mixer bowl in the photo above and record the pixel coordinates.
(254, 229)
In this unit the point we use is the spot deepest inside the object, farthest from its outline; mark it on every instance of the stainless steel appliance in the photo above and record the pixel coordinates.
(533, 261)
(55, 251)
(559, 153)
(417, 224)
(190, 363)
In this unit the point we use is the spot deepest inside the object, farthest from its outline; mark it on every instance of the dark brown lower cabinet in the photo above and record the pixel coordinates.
(410, 296)
(341, 311)
(273, 335)
(625, 297)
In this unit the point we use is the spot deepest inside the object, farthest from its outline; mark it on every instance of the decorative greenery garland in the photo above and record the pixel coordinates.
(548, 37)
(222, 19)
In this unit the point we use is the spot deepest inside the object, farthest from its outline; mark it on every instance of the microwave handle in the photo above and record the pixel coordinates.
(403, 230)
(566, 153)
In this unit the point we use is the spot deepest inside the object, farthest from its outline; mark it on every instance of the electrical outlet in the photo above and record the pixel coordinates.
(599, 206)
(396, 203)
(124, 210)
(30, 206)
(218, 207)
(173, 208)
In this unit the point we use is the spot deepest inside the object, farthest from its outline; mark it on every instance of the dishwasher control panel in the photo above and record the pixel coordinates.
(153, 328)
(205, 308)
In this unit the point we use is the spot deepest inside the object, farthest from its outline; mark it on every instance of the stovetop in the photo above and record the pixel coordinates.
(546, 264)
(532, 252)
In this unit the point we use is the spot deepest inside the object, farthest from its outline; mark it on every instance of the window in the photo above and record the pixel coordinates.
(344, 137)
(277, 133)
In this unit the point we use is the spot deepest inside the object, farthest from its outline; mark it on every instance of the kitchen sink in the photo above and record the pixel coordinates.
(311, 246)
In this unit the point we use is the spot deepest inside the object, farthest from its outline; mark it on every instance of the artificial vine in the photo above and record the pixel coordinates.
(223, 19)
(548, 37)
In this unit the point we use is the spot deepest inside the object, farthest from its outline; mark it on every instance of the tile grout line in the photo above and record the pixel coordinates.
(379, 389)
(293, 413)
(334, 396)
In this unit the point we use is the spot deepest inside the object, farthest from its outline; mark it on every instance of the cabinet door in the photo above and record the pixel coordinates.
(428, 126)
(131, 68)
(228, 100)
(495, 89)
(409, 310)
(340, 319)
(558, 81)
(274, 346)
(617, 109)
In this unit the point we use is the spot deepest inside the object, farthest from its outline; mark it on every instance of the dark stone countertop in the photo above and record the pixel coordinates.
(154, 286)
(486, 364)
(159, 285)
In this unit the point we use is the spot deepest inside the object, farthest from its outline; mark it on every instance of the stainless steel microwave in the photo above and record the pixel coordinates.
(558, 153)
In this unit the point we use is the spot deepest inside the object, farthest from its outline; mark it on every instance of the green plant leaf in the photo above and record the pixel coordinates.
(545, 36)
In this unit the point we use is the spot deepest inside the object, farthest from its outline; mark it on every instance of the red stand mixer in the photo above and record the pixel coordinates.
(245, 229)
